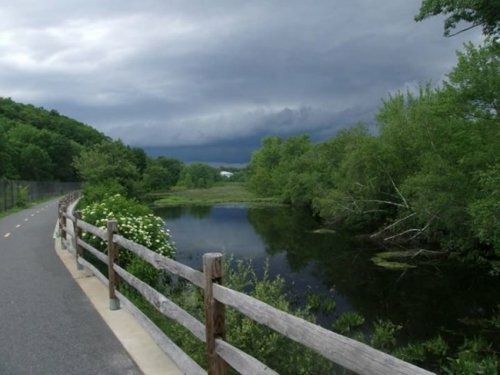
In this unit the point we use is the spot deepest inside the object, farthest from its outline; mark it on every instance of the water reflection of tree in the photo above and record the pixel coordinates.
(421, 299)
(175, 212)
(283, 229)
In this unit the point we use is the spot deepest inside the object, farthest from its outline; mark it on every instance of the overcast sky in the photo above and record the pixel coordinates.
(206, 80)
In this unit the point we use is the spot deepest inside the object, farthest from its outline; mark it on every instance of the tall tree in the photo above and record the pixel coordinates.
(475, 82)
(484, 13)
(108, 161)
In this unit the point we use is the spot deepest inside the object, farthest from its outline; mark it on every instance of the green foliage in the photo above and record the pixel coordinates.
(484, 13)
(462, 366)
(474, 84)
(198, 175)
(281, 168)
(273, 349)
(347, 321)
(36, 144)
(329, 305)
(383, 337)
(435, 348)
(485, 210)
(316, 303)
(155, 177)
(162, 173)
(22, 196)
(99, 191)
(98, 164)
(430, 175)
(313, 302)
(40, 170)
(173, 168)
(475, 357)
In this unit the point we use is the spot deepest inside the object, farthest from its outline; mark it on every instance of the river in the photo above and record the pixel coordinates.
(438, 297)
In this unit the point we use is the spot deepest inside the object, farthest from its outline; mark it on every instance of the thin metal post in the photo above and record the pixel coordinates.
(114, 302)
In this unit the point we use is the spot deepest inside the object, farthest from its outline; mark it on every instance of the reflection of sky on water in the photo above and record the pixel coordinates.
(226, 229)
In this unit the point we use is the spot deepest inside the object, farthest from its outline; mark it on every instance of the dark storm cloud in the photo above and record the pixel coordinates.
(203, 77)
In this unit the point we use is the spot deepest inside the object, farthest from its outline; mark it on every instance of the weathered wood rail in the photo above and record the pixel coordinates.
(348, 353)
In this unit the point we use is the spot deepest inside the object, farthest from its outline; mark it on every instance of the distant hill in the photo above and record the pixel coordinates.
(38, 144)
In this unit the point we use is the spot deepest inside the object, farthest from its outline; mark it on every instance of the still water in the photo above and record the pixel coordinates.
(438, 297)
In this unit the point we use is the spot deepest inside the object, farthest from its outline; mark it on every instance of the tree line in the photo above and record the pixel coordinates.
(38, 144)
(111, 167)
(41, 144)
(430, 174)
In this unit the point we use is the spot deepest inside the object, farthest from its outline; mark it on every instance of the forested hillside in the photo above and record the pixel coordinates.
(432, 173)
(37, 144)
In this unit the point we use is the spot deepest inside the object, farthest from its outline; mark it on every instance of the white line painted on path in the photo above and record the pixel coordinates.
(32, 215)
(6, 235)
(26, 219)
(18, 225)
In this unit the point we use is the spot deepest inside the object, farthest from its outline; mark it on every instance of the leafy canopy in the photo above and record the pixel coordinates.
(484, 13)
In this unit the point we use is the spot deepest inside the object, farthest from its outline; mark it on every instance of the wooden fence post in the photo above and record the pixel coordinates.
(63, 225)
(214, 312)
(78, 235)
(59, 215)
(114, 302)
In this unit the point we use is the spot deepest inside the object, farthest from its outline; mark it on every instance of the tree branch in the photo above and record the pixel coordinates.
(466, 29)
(393, 225)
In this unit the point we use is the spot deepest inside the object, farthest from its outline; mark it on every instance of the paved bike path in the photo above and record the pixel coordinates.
(47, 324)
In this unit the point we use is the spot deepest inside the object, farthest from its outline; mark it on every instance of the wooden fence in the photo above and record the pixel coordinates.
(348, 353)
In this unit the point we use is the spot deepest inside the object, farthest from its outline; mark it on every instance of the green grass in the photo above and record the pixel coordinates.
(219, 194)
(13, 210)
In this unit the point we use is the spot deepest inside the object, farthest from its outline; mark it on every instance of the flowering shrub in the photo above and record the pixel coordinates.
(135, 221)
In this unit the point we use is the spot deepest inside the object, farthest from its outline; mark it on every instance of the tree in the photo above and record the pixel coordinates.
(484, 13)
(155, 177)
(198, 175)
(173, 168)
(475, 82)
(272, 166)
(139, 158)
(33, 163)
(56, 136)
(485, 211)
(6, 166)
(264, 162)
(108, 161)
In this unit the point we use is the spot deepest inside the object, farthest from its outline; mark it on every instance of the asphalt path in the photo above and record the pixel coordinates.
(47, 324)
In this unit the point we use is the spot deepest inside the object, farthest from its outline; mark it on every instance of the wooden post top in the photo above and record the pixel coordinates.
(212, 255)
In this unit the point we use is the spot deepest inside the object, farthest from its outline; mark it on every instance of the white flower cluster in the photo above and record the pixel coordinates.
(134, 223)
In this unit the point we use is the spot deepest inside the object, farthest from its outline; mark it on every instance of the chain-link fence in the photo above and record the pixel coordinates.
(13, 192)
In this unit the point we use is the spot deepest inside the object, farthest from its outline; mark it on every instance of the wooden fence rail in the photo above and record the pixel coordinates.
(350, 354)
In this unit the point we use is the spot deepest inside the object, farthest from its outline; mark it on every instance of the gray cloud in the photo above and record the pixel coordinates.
(208, 75)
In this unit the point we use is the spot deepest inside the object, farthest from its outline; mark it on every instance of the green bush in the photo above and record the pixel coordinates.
(384, 335)
(347, 321)
(276, 351)
(97, 192)
(137, 223)
(433, 350)
(22, 196)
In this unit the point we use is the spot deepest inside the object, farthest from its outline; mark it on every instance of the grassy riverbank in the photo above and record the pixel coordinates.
(228, 193)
